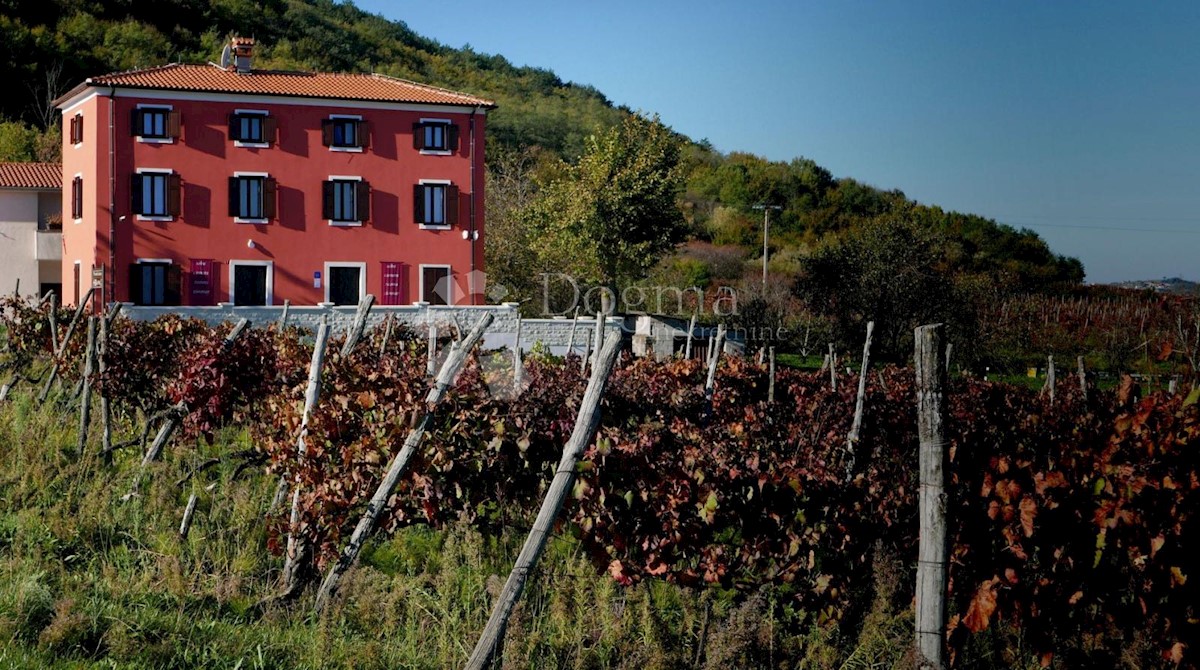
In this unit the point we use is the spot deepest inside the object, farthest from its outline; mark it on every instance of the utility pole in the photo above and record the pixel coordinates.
(766, 232)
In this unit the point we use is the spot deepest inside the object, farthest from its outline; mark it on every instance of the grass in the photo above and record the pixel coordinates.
(89, 581)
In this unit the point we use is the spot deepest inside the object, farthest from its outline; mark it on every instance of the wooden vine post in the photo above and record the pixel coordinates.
(518, 368)
(62, 346)
(366, 525)
(687, 348)
(85, 403)
(1082, 377)
(932, 565)
(1049, 377)
(53, 316)
(718, 344)
(586, 423)
(771, 370)
(597, 338)
(431, 355)
(297, 550)
(387, 335)
(283, 315)
(852, 438)
(832, 368)
(571, 337)
(359, 325)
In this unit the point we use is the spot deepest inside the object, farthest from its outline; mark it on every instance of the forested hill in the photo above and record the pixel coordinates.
(47, 46)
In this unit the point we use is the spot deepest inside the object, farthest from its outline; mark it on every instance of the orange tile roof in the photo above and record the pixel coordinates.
(46, 176)
(337, 86)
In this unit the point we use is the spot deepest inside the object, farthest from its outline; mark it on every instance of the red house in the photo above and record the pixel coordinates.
(199, 184)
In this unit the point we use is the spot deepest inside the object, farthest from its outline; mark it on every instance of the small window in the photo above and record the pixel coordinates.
(252, 198)
(155, 194)
(77, 197)
(346, 201)
(155, 123)
(435, 204)
(435, 136)
(252, 128)
(154, 283)
(345, 133)
(77, 129)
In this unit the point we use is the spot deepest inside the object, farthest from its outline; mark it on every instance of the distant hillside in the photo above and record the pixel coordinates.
(47, 46)
(1174, 286)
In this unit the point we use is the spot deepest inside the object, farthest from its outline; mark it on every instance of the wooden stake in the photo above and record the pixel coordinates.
(687, 349)
(186, 525)
(360, 324)
(298, 550)
(53, 316)
(932, 567)
(105, 410)
(587, 353)
(366, 525)
(599, 337)
(571, 338)
(710, 382)
(387, 335)
(771, 383)
(431, 354)
(1082, 377)
(283, 315)
(518, 369)
(832, 368)
(85, 403)
(852, 438)
(586, 423)
(63, 345)
(1049, 377)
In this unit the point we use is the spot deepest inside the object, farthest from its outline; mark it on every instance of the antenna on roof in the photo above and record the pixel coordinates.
(225, 55)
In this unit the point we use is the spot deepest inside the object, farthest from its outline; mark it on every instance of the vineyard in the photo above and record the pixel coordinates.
(1069, 510)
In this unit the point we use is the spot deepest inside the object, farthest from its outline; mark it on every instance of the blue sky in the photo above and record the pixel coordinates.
(1080, 120)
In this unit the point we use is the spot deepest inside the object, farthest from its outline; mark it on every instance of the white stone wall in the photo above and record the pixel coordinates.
(18, 240)
(552, 333)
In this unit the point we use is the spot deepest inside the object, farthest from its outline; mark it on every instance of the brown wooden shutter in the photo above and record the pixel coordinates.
(269, 129)
(452, 137)
(173, 123)
(135, 122)
(174, 194)
(362, 200)
(419, 203)
(235, 200)
(327, 200)
(235, 128)
(174, 284)
(327, 132)
(135, 193)
(451, 204)
(418, 136)
(268, 195)
(135, 283)
(362, 134)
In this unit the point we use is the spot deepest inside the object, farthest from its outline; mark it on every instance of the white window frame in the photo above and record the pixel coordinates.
(362, 275)
(421, 280)
(78, 175)
(438, 152)
(166, 185)
(265, 176)
(252, 145)
(347, 224)
(436, 226)
(270, 265)
(357, 139)
(78, 144)
(156, 140)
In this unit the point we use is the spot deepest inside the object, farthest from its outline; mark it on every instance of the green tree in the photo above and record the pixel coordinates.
(613, 215)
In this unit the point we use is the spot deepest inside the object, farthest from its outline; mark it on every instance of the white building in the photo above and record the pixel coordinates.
(31, 227)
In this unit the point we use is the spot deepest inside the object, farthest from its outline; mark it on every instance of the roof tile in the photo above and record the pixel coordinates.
(31, 175)
(338, 86)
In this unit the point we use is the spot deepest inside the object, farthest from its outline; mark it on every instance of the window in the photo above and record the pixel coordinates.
(435, 136)
(154, 282)
(346, 283)
(345, 133)
(155, 193)
(77, 197)
(435, 203)
(251, 198)
(436, 286)
(248, 128)
(346, 200)
(155, 123)
(251, 283)
(77, 129)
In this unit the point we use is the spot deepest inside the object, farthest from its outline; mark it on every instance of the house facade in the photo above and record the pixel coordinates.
(30, 228)
(202, 184)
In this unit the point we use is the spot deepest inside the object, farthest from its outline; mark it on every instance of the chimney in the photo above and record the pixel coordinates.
(243, 49)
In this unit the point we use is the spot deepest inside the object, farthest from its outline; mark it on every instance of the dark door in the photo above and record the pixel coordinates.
(435, 285)
(343, 285)
(249, 285)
